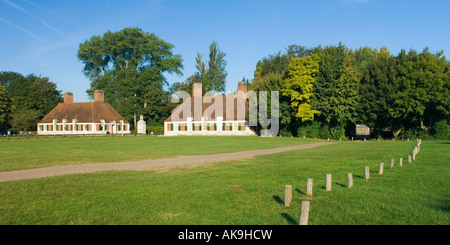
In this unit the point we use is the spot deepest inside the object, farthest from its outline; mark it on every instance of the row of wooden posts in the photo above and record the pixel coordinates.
(304, 211)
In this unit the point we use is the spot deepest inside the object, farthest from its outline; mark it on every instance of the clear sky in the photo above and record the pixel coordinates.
(42, 36)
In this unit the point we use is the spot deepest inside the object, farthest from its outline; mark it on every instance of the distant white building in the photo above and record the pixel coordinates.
(84, 118)
(210, 115)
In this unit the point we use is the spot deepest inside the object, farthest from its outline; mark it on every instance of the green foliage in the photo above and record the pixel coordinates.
(31, 95)
(212, 72)
(336, 87)
(299, 85)
(157, 130)
(25, 120)
(128, 66)
(441, 130)
(5, 108)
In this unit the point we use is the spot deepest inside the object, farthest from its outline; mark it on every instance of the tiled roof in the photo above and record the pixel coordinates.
(85, 112)
(228, 113)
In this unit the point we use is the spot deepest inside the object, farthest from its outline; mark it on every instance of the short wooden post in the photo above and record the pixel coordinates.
(414, 154)
(287, 195)
(401, 162)
(328, 182)
(352, 138)
(409, 159)
(391, 164)
(380, 168)
(339, 139)
(366, 172)
(304, 213)
(349, 180)
(309, 187)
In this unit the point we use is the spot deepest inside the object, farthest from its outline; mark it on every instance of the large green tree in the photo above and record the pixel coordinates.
(5, 108)
(336, 89)
(31, 95)
(129, 66)
(212, 72)
(299, 85)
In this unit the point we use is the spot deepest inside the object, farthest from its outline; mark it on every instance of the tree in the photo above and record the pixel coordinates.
(299, 85)
(126, 65)
(5, 108)
(376, 92)
(25, 120)
(336, 89)
(212, 73)
(32, 95)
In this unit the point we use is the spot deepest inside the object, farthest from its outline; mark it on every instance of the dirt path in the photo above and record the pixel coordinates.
(165, 163)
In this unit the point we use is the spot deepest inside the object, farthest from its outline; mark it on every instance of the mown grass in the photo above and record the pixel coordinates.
(26, 153)
(250, 191)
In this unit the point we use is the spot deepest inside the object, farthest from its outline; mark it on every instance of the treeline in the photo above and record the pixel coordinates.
(24, 100)
(326, 91)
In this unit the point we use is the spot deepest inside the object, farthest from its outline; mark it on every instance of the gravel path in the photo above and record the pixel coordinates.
(164, 163)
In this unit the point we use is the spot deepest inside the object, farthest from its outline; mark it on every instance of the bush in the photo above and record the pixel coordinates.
(157, 130)
(441, 130)
(324, 132)
(313, 130)
(284, 132)
(301, 131)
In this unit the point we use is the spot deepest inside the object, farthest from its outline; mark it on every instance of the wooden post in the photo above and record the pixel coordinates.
(349, 180)
(328, 182)
(401, 162)
(414, 154)
(304, 213)
(309, 187)
(409, 159)
(380, 168)
(366, 172)
(391, 164)
(287, 195)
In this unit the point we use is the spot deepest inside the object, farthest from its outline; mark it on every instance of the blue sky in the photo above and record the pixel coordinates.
(42, 37)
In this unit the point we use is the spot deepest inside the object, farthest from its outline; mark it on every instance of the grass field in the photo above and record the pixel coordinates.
(35, 152)
(249, 192)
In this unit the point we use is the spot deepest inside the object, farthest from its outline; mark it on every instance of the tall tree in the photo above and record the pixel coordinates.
(336, 90)
(299, 85)
(32, 95)
(212, 72)
(126, 65)
(5, 108)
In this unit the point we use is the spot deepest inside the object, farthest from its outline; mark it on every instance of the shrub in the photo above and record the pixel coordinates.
(157, 130)
(324, 131)
(441, 130)
(313, 130)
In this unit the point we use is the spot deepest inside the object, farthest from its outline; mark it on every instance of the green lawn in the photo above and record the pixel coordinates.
(35, 152)
(250, 191)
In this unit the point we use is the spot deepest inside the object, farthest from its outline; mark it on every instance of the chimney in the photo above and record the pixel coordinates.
(99, 96)
(198, 101)
(68, 98)
(242, 87)
(197, 90)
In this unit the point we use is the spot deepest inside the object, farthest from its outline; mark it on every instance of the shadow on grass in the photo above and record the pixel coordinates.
(289, 219)
(299, 191)
(341, 185)
(358, 176)
(278, 200)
